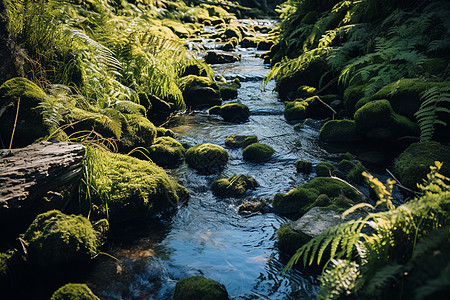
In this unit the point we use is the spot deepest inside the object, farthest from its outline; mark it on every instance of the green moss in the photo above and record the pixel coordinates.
(332, 188)
(377, 120)
(305, 91)
(234, 186)
(293, 204)
(257, 152)
(230, 32)
(352, 95)
(130, 187)
(74, 291)
(414, 163)
(138, 131)
(207, 158)
(240, 141)
(303, 166)
(250, 42)
(199, 288)
(323, 169)
(55, 238)
(289, 240)
(178, 28)
(339, 131)
(355, 174)
(296, 110)
(161, 131)
(322, 201)
(235, 112)
(190, 81)
(229, 90)
(128, 107)
(166, 152)
(30, 123)
(345, 166)
(405, 94)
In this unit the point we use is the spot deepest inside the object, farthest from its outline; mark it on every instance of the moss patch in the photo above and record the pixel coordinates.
(235, 112)
(199, 91)
(240, 141)
(130, 187)
(200, 288)
(339, 131)
(303, 166)
(138, 131)
(234, 186)
(414, 163)
(207, 158)
(55, 238)
(74, 291)
(323, 169)
(289, 240)
(166, 152)
(257, 152)
(131, 108)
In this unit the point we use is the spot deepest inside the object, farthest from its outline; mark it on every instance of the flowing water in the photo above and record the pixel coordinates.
(206, 236)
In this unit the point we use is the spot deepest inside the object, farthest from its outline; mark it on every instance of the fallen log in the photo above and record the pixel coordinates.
(27, 174)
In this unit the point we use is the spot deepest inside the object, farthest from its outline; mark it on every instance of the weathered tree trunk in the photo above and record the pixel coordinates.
(27, 174)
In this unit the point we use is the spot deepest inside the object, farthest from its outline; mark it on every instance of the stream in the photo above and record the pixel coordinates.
(206, 236)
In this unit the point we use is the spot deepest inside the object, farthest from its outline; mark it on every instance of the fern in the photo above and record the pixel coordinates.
(431, 110)
(337, 280)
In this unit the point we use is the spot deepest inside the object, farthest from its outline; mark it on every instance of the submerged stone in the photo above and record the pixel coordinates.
(257, 152)
(55, 238)
(207, 158)
(201, 288)
(240, 141)
(74, 291)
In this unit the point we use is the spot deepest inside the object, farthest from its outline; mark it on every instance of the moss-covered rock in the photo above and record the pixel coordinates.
(355, 174)
(199, 92)
(30, 124)
(55, 238)
(207, 158)
(138, 131)
(240, 141)
(405, 94)
(257, 152)
(234, 186)
(289, 240)
(200, 288)
(229, 90)
(128, 187)
(339, 131)
(311, 107)
(250, 42)
(303, 166)
(235, 112)
(128, 107)
(352, 95)
(414, 163)
(323, 169)
(298, 201)
(305, 91)
(74, 291)
(377, 120)
(215, 110)
(345, 166)
(166, 152)
(161, 131)
(296, 110)
(264, 45)
(213, 57)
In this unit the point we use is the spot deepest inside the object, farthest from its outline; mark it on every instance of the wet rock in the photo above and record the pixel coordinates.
(74, 291)
(166, 152)
(240, 141)
(250, 42)
(213, 57)
(234, 186)
(339, 131)
(161, 131)
(372, 157)
(200, 92)
(207, 158)
(323, 169)
(199, 287)
(235, 112)
(264, 45)
(414, 163)
(257, 152)
(290, 240)
(55, 238)
(377, 120)
(254, 206)
(215, 110)
(229, 90)
(303, 166)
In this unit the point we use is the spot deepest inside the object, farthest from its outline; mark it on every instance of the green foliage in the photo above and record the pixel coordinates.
(432, 111)
(390, 254)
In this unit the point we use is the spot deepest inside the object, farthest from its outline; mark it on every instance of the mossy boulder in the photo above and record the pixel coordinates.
(166, 152)
(214, 57)
(355, 174)
(305, 91)
(235, 112)
(265, 45)
(229, 90)
(414, 163)
(30, 123)
(352, 95)
(296, 110)
(240, 141)
(199, 92)
(250, 42)
(339, 131)
(74, 291)
(298, 201)
(311, 107)
(345, 166)
(303, 166)
(161, 131)
(215, 110)
(56, 238)
(128, 107)
(257, 152)
(138, 131)
(207, 158)
(234, 186)
(130, 187)
(323, 169)
(405, 94)
(377, 120)
(199, 288)
(289, 240)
